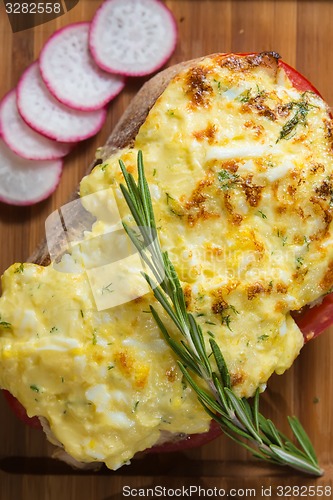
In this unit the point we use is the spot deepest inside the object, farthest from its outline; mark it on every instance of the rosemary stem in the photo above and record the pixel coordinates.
(237, 418)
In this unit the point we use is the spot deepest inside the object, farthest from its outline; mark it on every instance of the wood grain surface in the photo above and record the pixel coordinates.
(301, 31)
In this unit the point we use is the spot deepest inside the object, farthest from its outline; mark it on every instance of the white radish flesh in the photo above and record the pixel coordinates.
(26, 182)
(22, 139)
(132, 37)
(71, 74)
(45, 114)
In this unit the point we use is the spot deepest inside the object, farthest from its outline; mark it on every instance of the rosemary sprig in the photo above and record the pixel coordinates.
(239, 419)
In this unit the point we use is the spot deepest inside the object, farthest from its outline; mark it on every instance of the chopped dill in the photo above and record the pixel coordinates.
(5, 324)
(262, 215)
(247, 96)
(301, 108)
(300, 262)
(226, 320)
(136, 404)
(35, 388)
(107, 289)
(19, 269)
(173, 205)
(227, 179)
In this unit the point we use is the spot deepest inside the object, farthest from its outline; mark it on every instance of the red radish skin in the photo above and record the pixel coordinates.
(189, 441)
(22, 139)
(45, 114)
(312, 321)
(299, 81)
(20, 412)
(26, 182)
(132, 37)
(315, 320)
(185, 442)
(71, 74)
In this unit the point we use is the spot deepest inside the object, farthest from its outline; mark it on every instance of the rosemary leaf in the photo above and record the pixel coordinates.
(221, 394)
(265, 430)
(234, 436)
(163, 301)
(274, 433)
(242, 414)
(247, 408)
(302, 438)
(176, 347)
(220, 362)
(144, 189)
(255, 410)
(199, 343)
(202, 395)
(296, 462)
(131, 205)
(289, 446)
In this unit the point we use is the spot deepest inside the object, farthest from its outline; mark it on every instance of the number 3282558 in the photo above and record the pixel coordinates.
(33, 8)
(304, 491)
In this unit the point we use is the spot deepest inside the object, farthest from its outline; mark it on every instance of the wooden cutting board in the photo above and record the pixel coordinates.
(301, 31)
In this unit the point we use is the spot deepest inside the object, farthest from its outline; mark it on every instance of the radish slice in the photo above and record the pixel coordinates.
(132, 37)
(71, 74)
(22, 139)
(48, 116)
(26, 182)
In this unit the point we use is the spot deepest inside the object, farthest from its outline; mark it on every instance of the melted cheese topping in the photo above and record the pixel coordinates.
(240, 170)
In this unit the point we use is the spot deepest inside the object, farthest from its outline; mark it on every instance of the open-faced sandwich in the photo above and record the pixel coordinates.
(238, 155)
